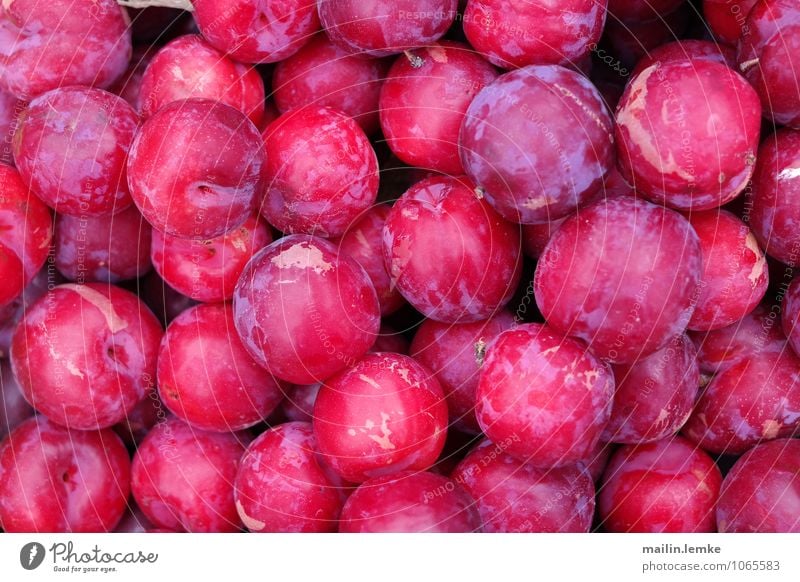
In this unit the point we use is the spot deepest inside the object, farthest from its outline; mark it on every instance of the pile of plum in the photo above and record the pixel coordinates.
(400, 265)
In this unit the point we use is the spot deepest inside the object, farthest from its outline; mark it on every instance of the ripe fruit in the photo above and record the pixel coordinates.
(207, 378)
(383, 415)
(410, 502)
(513, 34)
(544, 395)
(189, 67)
(762, 491)
(687, 133)
(321, 172)
(56, 480)
(526, 112)
(385, 27)
(85, 355)
(282, 486)
(256, 31)
(449, 253)
(514, 497)
(182, 478)
(71, 150)
(630, 291)
(423, 102)
(304, 311)
(661, 487)
(212, 185)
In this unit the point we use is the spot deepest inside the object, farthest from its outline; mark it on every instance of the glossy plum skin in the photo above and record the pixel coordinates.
(325, 75)
(754, 334)
(10, 110)
(304, 311)
(768, 55)
(790, 315)
(208, 270)
(11, 314)
(687, 133)
(55, 44)
(515, 34)
(25, 234)
(85, 355)
(727, 19)
(410, 502)
(189, 67)
(108, 248)
(256, 31)
(182, 478)
(612, 293)
(735, 275)
(56, 480)
(454, 352)
(363, 242)
(668, 486)
(71, 150)
(14, 408)
(282, 487)
(385, 414)
(753, 400)
(321, 172)
(384, 27)
(536, 155)
(213, 185)
(545, 395)
(449, 253)
(514, 497)
(687, 50)
(762, 491)
(207, 378)
(775, 196)
(422, 105)
(654, 396)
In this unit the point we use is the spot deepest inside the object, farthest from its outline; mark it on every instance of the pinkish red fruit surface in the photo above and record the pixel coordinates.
(631, 290)
(455, 353)
(449, 253)
(410, 502)
(195, 169)
(281, 485)
(208, 270)
(735, 275)
(182, 478)
(755, 399)
(536, 155)
(60, 43)
(189, 67)
(668, 486)
(56, 480)
(385, 27)
(545, 396)
(423, 102)
(304, 311)
(207, 378)
(762, 491)
(25, 234)
(514, 497)
(72, 147)
(687, 133)
(654, 396)
(256, 31)
(515, 34)
(323, 74)
(385, 414)
(321, 172)
(85, 355)
(727, 19)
